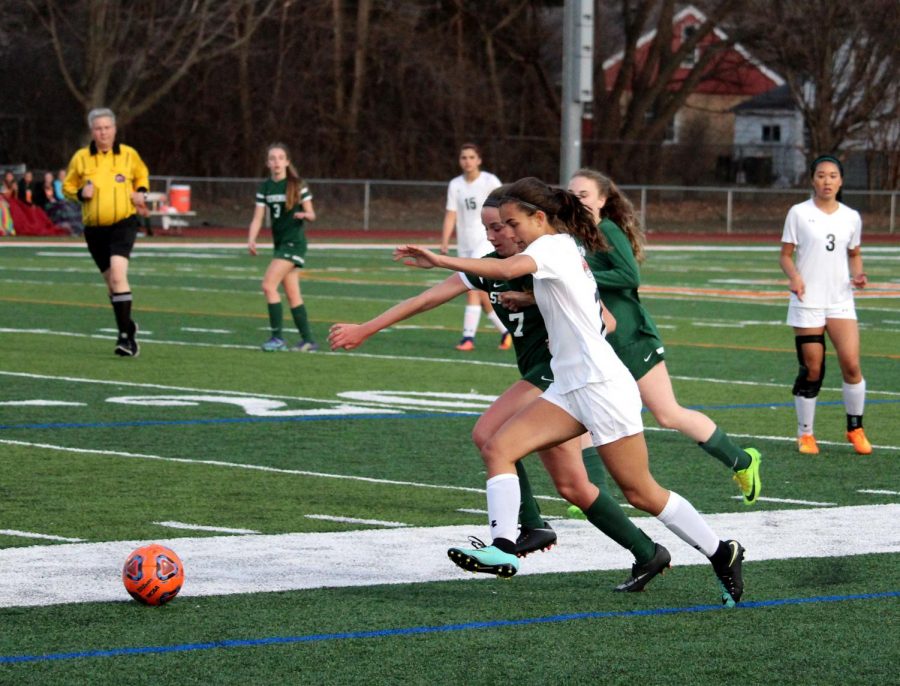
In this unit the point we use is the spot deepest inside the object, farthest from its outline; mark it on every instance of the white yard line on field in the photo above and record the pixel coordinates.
(201, 527)
(39, 403)
(34, 534)
(293, 561)
(233, 346)
(354, 520)
(788, 501)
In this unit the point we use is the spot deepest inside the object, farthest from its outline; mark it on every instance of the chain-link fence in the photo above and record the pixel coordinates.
(378, 205)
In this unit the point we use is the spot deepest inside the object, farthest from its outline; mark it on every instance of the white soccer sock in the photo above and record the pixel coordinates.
(470, 320)
(684, 521)
(495, 320)
(503, 506)
(806, 414)
(854, 397)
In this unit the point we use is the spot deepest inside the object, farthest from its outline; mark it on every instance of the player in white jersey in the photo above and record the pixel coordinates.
(820, 254)
(592, 389)
(465, 196)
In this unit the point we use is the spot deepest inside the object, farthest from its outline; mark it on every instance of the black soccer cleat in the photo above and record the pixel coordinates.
(642, 574)
(532, 540)
(127, 347)
(727, 563)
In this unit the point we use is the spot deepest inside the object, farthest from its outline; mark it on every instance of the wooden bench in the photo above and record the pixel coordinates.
(168, 218)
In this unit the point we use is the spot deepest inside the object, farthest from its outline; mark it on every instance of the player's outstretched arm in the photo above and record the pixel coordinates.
(487, 267)
(350, 336)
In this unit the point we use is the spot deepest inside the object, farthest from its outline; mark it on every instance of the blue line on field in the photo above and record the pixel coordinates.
(314, 638)
(342, 417)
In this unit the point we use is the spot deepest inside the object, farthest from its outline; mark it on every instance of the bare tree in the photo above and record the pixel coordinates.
(840, 61)
(631, 116)
(130, 56)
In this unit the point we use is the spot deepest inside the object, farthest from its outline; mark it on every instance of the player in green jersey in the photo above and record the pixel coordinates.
(636, 340)
(563, 462)
(289, 202)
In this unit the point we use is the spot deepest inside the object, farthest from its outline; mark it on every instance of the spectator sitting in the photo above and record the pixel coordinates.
(26, 188)
(6, 222)
(63, 212)
(44, 195)
(9, 189)
(58, 184)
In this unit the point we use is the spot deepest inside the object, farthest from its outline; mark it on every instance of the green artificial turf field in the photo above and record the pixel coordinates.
(312, 496)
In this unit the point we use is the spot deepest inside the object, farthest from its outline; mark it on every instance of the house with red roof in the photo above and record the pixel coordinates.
(733, 76)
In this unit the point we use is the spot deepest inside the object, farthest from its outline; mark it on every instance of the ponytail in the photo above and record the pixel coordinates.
(618, 209)
(564, 210)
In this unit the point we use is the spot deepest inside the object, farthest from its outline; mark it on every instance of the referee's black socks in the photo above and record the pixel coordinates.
(121, 303)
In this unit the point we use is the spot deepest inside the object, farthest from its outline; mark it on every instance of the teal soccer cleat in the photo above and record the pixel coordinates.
(487, 560)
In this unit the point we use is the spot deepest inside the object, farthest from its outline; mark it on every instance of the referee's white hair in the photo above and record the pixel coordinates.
(99, 113)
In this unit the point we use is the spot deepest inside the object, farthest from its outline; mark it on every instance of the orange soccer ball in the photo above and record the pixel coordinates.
(153, 574)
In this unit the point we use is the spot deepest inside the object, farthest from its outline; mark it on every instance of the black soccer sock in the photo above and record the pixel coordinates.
(121, 304)
(854, 421)
(505, 545)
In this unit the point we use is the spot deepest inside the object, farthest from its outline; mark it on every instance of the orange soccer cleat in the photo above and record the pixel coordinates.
(505, 342)
(466, 344)
(806, 444)
(860, 443)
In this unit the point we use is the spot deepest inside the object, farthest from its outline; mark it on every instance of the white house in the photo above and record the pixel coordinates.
(769, 138)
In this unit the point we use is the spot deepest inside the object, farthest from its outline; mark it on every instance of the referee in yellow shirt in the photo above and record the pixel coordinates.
(110, 181)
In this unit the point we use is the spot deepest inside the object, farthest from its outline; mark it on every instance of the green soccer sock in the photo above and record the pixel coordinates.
(721, 447)
(276, 317)
(595, 469)
(302, 322)
(607, 515)
(529, 512)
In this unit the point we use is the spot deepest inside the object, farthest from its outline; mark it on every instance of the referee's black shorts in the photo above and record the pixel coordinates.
(117, 239)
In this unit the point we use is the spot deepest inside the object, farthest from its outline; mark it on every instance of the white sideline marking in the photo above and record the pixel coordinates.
(77, 245)
(235, 346)
(788, 501)
(877, 492)
(200, 527)
(353, 520)
(40, 403)
(194, 329)
(228, 565)
(238, 465)
(142, 332)
(32, 534)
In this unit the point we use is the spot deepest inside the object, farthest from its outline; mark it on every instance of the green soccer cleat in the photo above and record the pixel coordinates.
(748, 479)
(487, 560)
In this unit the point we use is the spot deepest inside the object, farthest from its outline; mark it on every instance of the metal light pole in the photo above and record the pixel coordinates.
(577, 81)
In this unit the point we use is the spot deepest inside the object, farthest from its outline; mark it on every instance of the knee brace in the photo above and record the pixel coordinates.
(803, 387)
